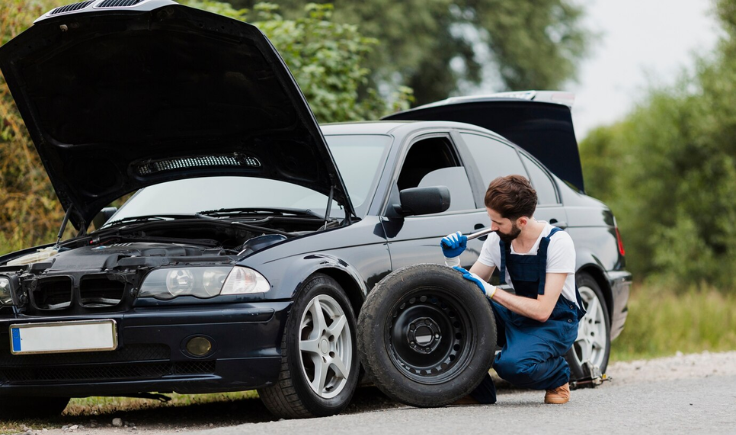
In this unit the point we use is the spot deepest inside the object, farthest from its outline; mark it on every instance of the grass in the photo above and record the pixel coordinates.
(90, 406)
(661, 323)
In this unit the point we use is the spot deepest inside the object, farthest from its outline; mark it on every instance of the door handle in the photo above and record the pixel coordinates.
(558, 224)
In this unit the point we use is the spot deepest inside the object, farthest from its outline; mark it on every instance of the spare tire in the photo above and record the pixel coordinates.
(426, 336)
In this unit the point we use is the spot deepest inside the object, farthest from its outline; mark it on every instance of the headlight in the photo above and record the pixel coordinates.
(6, 298)
(202, 282)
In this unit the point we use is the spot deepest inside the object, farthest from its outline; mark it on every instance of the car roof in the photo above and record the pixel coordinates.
(396, 127)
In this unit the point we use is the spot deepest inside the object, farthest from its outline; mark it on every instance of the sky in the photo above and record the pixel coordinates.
(641, 42)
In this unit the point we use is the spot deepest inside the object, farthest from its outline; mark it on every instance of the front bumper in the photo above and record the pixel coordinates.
(151, 354)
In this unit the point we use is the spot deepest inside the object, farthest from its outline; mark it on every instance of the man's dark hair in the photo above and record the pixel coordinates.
(512, 197)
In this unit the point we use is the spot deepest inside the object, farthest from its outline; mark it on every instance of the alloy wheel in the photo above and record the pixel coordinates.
(325, 346)
(590, 345)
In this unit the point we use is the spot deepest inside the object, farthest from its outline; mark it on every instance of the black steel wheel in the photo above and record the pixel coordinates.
(426, 336)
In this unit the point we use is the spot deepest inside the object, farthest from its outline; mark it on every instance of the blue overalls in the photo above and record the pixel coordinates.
(532, 354)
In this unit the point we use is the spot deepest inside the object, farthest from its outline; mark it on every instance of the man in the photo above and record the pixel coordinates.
(537, 325)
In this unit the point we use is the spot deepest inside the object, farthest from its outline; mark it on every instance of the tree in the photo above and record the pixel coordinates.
(437, 47)
(326, 58)
(668, 171)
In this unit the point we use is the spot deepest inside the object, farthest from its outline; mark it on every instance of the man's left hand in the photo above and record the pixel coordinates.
(487, 289)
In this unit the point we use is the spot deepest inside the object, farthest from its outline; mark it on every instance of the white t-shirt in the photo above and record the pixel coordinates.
(560, 257)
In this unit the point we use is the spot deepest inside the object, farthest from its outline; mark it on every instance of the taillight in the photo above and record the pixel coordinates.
(621, 249)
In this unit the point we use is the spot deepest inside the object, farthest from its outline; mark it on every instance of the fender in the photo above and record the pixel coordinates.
(288, 274)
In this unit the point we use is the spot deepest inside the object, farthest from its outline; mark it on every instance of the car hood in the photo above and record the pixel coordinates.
(543, 128)
(117, 99)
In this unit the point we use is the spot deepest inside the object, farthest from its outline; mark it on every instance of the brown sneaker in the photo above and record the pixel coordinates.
(558, 395)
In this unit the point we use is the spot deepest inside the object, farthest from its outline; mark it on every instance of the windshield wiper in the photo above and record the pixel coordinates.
(149, 218)
(259, 211)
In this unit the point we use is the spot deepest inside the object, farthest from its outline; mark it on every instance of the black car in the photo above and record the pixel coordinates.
(244, 257)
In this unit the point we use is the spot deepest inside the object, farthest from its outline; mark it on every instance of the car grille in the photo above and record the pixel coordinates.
(133, 352)
(100, 292)
(52, 293)
(118, 3)
(72, 7)
(105, 372)
(135, 361)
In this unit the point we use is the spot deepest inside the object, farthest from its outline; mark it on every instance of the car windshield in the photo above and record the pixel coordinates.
(359, 158)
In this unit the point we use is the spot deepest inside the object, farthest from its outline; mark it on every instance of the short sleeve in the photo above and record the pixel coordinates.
(561, 254)
(490, 254)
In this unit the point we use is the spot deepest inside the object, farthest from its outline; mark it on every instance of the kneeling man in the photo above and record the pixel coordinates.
(539, 323)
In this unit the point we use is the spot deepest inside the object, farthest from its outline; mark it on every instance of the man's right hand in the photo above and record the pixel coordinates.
(453, 244)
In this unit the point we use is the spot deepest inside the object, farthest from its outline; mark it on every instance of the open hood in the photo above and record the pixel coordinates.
(542, 126)
(117, 99)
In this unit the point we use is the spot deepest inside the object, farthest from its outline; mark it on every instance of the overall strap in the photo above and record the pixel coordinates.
(542, 259)
(505, 251)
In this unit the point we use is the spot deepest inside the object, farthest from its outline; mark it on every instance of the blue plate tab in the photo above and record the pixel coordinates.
(16, 339)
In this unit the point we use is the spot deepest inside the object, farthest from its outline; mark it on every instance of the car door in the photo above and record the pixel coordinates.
(496, 158)
(432, 159)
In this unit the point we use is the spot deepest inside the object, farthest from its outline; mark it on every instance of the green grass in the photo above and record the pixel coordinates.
(90, 406)
(661, 323)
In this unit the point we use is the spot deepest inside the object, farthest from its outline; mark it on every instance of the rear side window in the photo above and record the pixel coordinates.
(493, 158)
(540, 180)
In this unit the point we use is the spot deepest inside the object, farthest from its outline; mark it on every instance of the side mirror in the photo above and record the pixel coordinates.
(423, 200)
(103, 216)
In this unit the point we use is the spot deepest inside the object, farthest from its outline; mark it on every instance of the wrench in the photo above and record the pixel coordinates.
(480, 233)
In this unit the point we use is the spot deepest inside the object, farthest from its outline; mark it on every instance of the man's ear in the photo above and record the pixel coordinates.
(522, 221)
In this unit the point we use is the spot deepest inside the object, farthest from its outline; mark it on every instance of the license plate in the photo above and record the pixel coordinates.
(62, 337)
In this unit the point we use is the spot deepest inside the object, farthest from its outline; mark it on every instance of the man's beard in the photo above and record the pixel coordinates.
(508, 238)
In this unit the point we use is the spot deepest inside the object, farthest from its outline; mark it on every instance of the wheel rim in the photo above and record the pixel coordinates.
(428, 337)
(590, 346)
(325, 346)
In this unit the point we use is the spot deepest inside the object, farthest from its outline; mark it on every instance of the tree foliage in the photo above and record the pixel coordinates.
(437, 46)
(668, 171)
(326, 58)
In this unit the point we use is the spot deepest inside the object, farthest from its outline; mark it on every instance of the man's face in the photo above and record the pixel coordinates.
(506, 229)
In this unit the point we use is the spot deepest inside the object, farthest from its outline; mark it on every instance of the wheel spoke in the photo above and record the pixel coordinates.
(318, 317)
(309, 345)
(597, 344)
(340, 368)
(593, 307)
(320, 375)
(337, 326)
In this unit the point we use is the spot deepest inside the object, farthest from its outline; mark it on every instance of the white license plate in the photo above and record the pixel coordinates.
(60, 337)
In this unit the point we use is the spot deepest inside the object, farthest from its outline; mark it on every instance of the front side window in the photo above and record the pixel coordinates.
(433, 162)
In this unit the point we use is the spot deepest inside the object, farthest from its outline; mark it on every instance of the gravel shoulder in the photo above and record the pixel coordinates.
(371, 408)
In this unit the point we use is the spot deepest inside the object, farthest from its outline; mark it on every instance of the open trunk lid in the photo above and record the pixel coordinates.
(542, 126)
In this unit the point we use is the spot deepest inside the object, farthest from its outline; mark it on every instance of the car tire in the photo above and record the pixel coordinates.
(426, 336)
(319, 339)
(593, 343)
(14, 408)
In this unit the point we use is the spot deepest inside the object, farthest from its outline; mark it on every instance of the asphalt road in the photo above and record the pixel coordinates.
(682, 394)
(680, 406)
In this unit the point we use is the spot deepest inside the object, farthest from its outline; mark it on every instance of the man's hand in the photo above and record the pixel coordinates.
(453, 244)
(487, 289)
